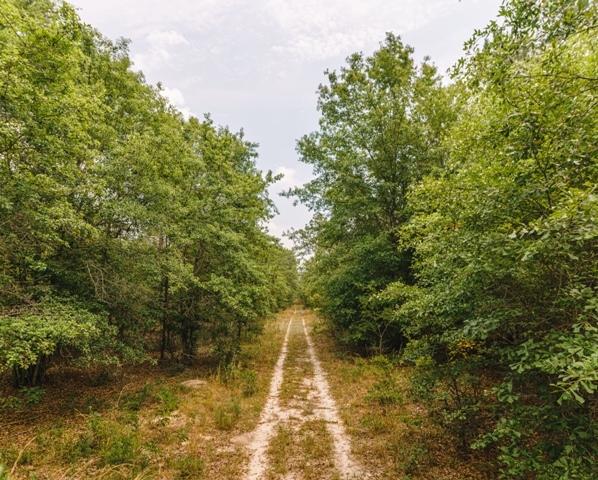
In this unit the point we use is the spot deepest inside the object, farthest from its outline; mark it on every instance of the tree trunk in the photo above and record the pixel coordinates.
(164, 319)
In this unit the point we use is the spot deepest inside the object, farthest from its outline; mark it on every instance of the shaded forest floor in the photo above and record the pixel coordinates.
(177, 422)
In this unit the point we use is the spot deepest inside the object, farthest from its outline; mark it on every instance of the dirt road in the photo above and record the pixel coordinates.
(300, 434)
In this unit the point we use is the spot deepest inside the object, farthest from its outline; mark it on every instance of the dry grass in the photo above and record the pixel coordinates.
(147, 425)
(302, 451)
(392, 436)
(297, 369)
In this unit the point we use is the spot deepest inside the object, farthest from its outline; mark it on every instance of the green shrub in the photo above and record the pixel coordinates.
(385, 390)
(168, 400)
(248, 382)
(11, 402)
(121, 448)
(189, 466)
(32, 395)
(227, 413)
(135, 400)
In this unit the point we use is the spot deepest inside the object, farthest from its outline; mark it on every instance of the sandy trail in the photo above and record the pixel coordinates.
(274, 414)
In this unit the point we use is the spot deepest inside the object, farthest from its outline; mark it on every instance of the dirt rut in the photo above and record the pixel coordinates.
(313, 404)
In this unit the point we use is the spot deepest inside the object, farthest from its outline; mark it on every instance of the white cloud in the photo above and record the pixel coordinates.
(170, 38)
(159, 54)
(313, 30)
(143, 16)
(176, 98)
(288, 181)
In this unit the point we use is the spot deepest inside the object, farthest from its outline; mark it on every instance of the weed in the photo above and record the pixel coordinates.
(9, 455)
(11, 402)
(376, 424)
(189, 466)
(317, 454)
(385, 391)
(246, 379)
(169, 400)
(248, 382)
(121, 448)
(152, 446)
(32, 395)
(227, 413)
(280, 449)
(83, 447)
(413, 456)
(135, 400)
(26, 458)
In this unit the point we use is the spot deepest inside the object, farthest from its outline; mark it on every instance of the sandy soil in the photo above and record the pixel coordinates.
(317, 404)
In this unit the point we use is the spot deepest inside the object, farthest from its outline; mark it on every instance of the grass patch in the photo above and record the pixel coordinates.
(296, 368)
(227, 413)
(392, 434)
(188, 466)
(280, 449)
(144, 425)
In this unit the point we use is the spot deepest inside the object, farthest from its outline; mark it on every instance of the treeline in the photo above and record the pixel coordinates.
(458, 226)
(124, 228)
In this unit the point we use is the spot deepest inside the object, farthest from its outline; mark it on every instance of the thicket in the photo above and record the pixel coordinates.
(494, 299)
(124, 227)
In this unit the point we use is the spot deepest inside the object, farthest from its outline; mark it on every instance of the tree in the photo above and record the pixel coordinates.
(380, 130)
(505, 246)
(118, 217)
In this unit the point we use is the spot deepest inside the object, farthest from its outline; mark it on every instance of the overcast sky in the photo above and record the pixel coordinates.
(256, 64)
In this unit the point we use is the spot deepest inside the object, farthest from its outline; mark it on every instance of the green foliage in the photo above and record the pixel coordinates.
(11, 401)
(135, 400)
(168, 400)
(248, 381)
(245, 379)
(227, 413)
(121, 220)
(385, 390)
(113, 444)
(33, 395)
(505, 242)
(493, 288)
(380, 130)
(189, 466)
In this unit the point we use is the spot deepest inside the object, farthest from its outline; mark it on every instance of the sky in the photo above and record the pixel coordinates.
(256, 64)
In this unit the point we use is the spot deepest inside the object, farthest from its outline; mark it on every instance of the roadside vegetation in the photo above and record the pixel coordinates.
(170, 422)
(133, 256)
(127, 233)
(455, 229)
(452, 258)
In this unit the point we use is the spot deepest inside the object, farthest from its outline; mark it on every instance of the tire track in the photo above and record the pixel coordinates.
(325, 408)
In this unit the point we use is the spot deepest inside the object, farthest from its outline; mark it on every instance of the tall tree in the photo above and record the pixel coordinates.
(118, 217)
(506, 246)
(382, 119)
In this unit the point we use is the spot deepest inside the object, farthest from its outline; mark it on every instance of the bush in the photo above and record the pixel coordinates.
(168, 399)
(385, 390)
(189, 466)
(227, 413)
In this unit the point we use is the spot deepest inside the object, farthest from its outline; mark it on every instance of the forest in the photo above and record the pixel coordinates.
(121, 220)
(451, 261)
(457, 225)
